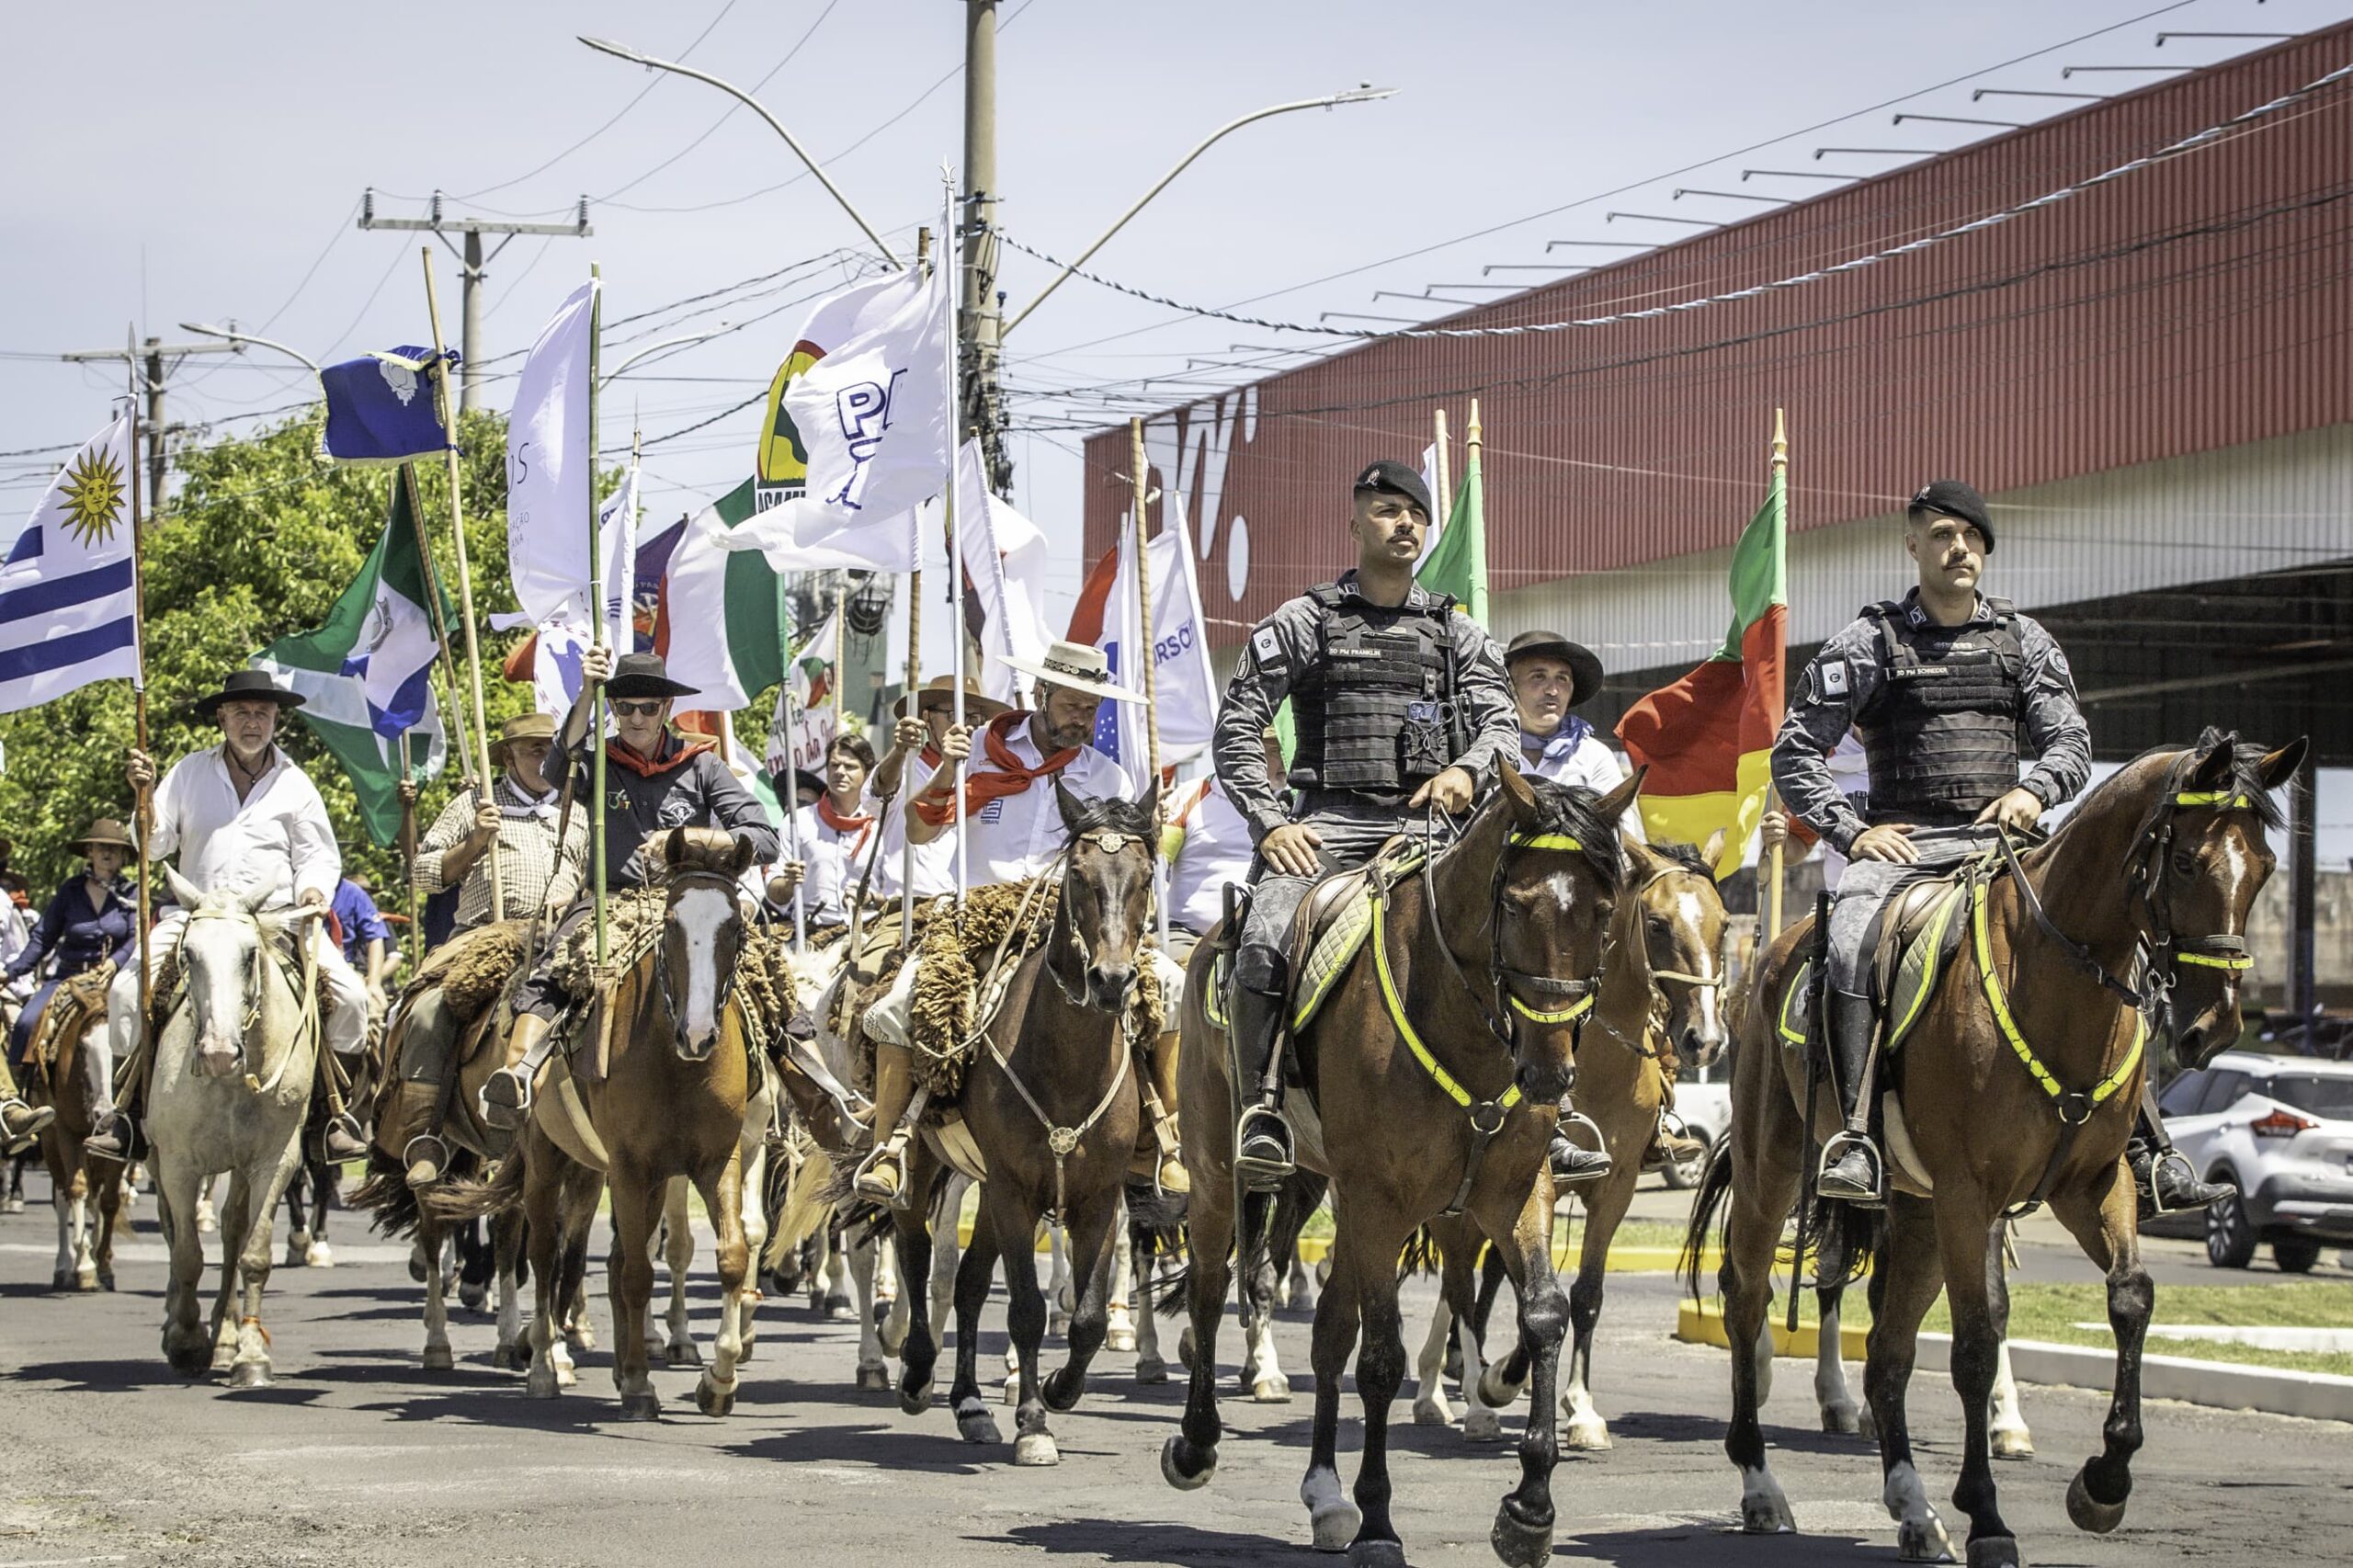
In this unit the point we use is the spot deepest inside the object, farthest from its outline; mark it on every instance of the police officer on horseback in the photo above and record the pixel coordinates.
(1937, 684)
(1401, 706)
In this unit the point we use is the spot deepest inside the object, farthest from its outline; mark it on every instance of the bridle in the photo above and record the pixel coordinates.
(256, 978)
(725, 983)
(1504, 982)
(1665, 1050)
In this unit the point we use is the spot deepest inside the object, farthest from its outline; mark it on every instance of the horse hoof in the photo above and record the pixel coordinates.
(1995, 1551)
(1062, 1389)
(1767, 1512)
(507, 1359)
(250, 1375)
(1336, 1525)
(916, 1398)
(874, 1379)
(567, 1376)
(1496, 1393)
(1151, 1369)
(1479, 1425)
(681, 1354)
(543, 1383)
(1428, 1412)
(1173, 1454)
(438, 1358)
(1923, 1540)
(318, 1254)
(711, 1398)
(581, 1339)
(1590, 1436)
(224, 1360)
(1036, 1448)
(188, 1360)
(105, 1279)
(473, 1298)
(838, 1309)
(2087, 1512)
(1867, 1424)
(1377, 1554)
(1270, 1390)
(62, 1280)
(1844, 1419)
(1520, 1544)
(643, 1406)
(2011, 1444)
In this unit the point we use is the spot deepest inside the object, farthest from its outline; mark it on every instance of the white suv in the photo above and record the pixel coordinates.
(2280, 1130)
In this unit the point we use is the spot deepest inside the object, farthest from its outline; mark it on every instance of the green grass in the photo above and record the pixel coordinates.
(2050, 1313)
(1631, 1233)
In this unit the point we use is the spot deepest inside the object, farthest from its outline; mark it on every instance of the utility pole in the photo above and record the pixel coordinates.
(471, 267)
(153, 361)
(982, 311)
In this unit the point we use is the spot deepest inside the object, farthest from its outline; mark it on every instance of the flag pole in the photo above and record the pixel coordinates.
(1144, 650)
(1444, 496)
(145, 808)
(948, 257)
(791, 802)
(597, 846)
(408, 852)
(440, 631)
(914, 686)
(1780, 468)
(841, 600)
(448, 411)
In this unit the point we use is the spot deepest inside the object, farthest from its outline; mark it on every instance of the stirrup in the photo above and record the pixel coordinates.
(505, 1100)
(889, 1155)
(1828, 1183)
(1274, 1159)
(114, 1141)
(2183, 1193)
(437, 1160)
(35, 1119)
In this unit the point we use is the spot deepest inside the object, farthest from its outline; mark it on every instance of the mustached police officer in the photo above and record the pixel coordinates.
(1937, 684)
(1399, 704)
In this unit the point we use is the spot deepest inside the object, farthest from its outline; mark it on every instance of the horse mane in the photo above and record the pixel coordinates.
(1685, 856)
(706, 849)
(1119, 815)
(1576, 811)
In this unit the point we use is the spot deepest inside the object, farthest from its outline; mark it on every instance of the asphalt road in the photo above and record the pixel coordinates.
(357, 1458)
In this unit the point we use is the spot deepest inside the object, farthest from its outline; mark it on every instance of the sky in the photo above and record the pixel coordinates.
(173, 163)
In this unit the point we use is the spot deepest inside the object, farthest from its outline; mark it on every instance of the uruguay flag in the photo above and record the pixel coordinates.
(381, 407)
(68, 594)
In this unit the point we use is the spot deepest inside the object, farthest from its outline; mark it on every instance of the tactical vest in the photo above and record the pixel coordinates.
(1372, 712)
(1941, 730)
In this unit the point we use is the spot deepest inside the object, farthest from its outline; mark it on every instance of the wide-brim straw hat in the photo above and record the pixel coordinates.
(522, 727)
(979, 708)
(248, 686)
(1076, 667)
(109, 832)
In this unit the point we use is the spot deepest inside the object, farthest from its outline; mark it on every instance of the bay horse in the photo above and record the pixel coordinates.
(232, 1086)
(671, 1104)
(1660, 1000)
(1430, 1082)
(1051, 1102)
(72, 1037)
(2018, 1085)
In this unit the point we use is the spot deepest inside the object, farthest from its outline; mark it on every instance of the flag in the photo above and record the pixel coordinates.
(550, 469)
(1457, 564)
(871, 420)
(1708, 739)
(617, 553)
(1003, 555)
(69, 590)
(804, 741)
(1430, 483)
(720, 627)
(781, 463)
(366, 668)
(382, 408)
(1184, 687)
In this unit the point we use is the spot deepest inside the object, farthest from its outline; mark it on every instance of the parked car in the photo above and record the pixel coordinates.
(2280, 1129)
(1706, 1110)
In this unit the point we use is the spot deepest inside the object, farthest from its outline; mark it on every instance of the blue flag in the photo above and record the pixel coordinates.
(381, 407)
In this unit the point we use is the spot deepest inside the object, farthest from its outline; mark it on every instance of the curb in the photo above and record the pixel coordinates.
(1621, 1260)
(1697, 1325)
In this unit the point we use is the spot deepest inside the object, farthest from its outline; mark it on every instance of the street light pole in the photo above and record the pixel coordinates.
(650, 349)
(235, 337)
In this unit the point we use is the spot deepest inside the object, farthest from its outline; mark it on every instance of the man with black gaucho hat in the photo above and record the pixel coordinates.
(654, 780)
(1937, 684)
(1399, 704)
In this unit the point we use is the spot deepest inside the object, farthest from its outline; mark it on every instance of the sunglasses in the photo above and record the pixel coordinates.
(628, 710)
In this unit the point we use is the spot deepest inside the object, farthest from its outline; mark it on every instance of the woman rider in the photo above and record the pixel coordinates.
(92, 920)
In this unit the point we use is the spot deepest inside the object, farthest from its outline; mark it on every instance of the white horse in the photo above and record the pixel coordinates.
(231, 1088)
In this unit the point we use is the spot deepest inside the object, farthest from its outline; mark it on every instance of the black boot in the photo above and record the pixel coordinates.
(1852, 1170)
(1573, 1164)
(1263, 1147)
(2162, 1178)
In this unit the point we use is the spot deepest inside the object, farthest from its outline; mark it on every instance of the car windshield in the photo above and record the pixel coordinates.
(2331, 1098)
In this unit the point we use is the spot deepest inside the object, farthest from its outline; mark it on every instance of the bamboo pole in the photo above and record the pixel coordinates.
(596, 846)
(145, 807)
(1780, 468)
(408, 860)
(1145, 657)
(841, 610)
(1444, 499)
(790, 802)
(441, 634)
(950, 254)
(448, 411)
(915, 700)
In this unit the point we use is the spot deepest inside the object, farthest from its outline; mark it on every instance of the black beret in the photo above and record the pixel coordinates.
(1397, 479)
(1952, 498)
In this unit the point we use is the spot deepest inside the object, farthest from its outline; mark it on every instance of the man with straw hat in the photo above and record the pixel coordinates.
(518, 826)
(1013, 830)
(242, 815)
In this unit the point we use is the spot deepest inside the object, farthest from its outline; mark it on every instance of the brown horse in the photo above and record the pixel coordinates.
(1430, 1082)
(72, 1037)
(1051, 1104)
(670, 1104)
(1662, 978)
(2018, 1085)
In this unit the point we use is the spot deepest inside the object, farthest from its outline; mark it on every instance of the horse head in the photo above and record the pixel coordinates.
(1106, 895)
(703, 932)
(2202, 857)
(222, 949)
(1557, 874)
(1677, 923)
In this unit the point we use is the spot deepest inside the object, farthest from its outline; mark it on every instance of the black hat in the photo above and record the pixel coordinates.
(1952, 498)
(1397, 479)
(802, 779)
(642, 675)
(1585, 664)
(246, 685)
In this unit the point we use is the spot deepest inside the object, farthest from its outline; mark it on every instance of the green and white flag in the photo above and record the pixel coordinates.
(364, 674)
(720, 630)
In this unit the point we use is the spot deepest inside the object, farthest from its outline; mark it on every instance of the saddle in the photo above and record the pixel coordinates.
(77, 1002)
(1912, 941)
(1328, 931)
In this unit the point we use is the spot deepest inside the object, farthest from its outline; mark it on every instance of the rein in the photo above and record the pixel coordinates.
(726, 980)
(1664, 1051)
(306, 993)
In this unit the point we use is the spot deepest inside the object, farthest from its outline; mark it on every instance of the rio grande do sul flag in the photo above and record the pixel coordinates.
(1708, 739)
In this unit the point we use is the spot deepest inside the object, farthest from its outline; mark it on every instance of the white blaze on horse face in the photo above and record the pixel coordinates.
(701, 913)
(1690, 923)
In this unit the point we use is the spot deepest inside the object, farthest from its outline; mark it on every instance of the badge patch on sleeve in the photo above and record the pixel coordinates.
(1267, 647)
(1828, 677)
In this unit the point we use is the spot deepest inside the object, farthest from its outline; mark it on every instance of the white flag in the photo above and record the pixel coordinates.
(549, 467)
(617, 549)
(1004, 555)
(1184, 688)
(68, 603)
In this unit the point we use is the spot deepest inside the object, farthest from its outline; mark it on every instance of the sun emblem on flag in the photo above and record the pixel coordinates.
(93, 497)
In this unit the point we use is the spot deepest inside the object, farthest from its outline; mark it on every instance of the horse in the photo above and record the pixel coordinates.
(1052, 1103)
(678, 1236)
(671, 1103)
(72, 1038)
(1416, 1109)
(2017, 1087)
(232, 1086)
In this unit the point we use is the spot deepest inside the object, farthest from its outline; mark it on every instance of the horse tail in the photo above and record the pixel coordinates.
(470, 1198)
(1254, 1235)
(1707, 1208)
(1422, 1255)
(804, 1209)
(1155, 1222)
(1845, 1241)
(392, 1203)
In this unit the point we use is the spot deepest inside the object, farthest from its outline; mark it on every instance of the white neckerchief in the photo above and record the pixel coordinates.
(519, 806)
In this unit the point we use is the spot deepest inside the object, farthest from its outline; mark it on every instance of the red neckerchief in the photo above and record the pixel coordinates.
(840, 822)
(664, 760)
(1007, 776)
